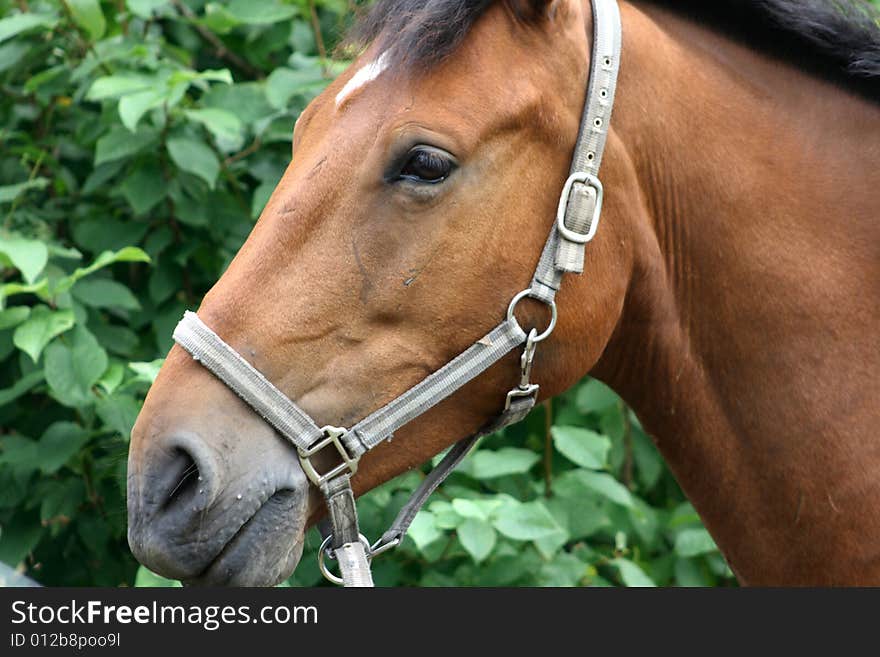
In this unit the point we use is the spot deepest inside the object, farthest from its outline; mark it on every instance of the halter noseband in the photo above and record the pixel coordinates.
(580, 206)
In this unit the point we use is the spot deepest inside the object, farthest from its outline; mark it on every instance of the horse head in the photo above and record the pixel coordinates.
(421, 190)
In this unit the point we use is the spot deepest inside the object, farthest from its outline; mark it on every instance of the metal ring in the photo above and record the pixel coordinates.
(553, 315)
(322, 551)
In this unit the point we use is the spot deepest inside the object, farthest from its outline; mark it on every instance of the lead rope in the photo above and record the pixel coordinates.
(577, 219)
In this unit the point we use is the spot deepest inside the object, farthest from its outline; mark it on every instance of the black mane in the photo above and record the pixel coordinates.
(836, 39)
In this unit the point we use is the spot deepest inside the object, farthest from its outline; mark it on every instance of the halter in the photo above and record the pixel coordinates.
(577, 219)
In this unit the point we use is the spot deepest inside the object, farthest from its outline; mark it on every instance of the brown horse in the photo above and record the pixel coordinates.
(730, 296)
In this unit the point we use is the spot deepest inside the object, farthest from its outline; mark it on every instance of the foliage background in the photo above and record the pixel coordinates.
(139, 140)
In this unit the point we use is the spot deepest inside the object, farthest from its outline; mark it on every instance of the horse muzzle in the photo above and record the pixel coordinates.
(210, 513)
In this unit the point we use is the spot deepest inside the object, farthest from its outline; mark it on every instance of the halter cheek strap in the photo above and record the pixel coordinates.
(580, 207)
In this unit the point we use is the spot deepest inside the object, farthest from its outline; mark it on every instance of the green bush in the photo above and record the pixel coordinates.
(140, 140)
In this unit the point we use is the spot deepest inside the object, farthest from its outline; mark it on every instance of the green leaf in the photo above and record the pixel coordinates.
(14, 489)
(94, 532)
(226, 127)
(121, 143)
(6, 346)
(128, 254)
(691, 573)
(133, 106)
(104, 293)
(583, 517)
(39, 288)
(88, 15)
(108, 234)
(44, 78)
(283, 83)
(28, 256)
(72, 370)
(525, 522)
(612, 423)
(258, 12)
(113, 86)
(19, 453)
(644, 521)
(422, 530)
(594, 396)
(147, 372)
(694, 542)
(563, 570)
(550, 545)
(684, 515)
(488, 464)
(246, 100)
(8, 193)
(18, 539)
(146, 578)
(12, 53)
(606, 486)
(511, 568)
(218, 19)
(12, 317)
(20, 387)
(59, 443)
(62, 500)
(145, 8)
(195, 157)
(119, 412)
(208, 75)
(586, 448)
(63, 253)
(164, 281)
(469, 509)
(649, 463)
(112, 377)
(19, 23)
(116, 339)
(261, 197)
(477, 537)
(631, 574)
(445, 516)
(143, 189)
(36, 331)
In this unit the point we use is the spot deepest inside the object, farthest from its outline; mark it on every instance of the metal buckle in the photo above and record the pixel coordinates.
(331, 435)
(592, 182)
(518, 393)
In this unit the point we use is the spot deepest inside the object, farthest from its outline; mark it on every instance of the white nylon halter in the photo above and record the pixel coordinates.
(580, 207)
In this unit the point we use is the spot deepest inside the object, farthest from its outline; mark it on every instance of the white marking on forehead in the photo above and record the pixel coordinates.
(364, 76)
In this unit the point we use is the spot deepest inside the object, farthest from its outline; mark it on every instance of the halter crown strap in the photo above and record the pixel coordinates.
(580, 206)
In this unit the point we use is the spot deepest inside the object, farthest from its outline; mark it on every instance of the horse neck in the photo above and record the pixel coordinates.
(747, 340)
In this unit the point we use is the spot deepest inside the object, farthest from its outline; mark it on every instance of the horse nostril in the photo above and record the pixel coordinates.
(184, 479)
(168, 502)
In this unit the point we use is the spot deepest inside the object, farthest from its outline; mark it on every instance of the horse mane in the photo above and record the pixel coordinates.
(838, 40)
(835, 39)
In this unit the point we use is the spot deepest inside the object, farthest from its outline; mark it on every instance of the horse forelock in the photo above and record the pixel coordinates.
(418, 35)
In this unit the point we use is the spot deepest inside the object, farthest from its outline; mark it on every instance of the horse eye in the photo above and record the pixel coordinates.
(426, 165)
